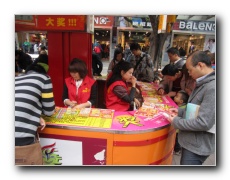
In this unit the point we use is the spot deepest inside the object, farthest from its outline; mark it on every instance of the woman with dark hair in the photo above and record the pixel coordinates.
(118, 56)
(80, 90)
(22, 60)
(118, 95)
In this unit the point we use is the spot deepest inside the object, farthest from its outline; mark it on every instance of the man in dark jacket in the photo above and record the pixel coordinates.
(197, 134)
(174, 57)
(97, 65)
(143, 64)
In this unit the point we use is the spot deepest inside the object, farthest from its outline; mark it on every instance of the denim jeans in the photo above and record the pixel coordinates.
(190, 158)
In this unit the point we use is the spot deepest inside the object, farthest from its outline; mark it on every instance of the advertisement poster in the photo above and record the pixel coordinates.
(210, 44)
(54, 152)
(72, 150)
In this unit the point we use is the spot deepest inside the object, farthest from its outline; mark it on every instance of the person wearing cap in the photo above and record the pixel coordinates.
(33, 97)
(80, 90)
(171, 81)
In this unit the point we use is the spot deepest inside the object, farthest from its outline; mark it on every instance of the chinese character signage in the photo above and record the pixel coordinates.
(134, 22)
(62, 22)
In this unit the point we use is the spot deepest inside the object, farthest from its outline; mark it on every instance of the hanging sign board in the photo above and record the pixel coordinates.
(196, 26)
(62, 22)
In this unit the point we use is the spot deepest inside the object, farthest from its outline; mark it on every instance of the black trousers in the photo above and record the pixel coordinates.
(177, 146)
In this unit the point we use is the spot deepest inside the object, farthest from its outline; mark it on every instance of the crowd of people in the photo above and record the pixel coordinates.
(185, 81)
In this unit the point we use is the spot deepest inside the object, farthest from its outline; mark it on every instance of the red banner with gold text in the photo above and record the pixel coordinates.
(61, 22)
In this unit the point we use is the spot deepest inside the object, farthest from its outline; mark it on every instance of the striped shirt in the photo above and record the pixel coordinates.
(33, 97)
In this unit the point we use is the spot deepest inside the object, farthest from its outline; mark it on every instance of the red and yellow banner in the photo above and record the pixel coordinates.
(61, 22)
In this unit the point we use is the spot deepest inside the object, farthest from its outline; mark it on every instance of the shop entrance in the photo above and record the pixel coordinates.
(33, 38)
(141, 37)
(103, 36)
(186, 40)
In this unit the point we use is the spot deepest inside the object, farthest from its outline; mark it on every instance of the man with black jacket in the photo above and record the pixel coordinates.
(97, 65)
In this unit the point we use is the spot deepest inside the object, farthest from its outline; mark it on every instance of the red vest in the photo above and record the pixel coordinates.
(83, 91)
(114, 102)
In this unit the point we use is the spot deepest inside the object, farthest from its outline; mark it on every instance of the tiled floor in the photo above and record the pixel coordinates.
(211, 161)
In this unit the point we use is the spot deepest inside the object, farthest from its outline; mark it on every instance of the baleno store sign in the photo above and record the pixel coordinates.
(198, 26)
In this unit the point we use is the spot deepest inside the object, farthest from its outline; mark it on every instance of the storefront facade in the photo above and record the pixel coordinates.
(133, 29)
(103, 26)
(187, 32)
(198, 32)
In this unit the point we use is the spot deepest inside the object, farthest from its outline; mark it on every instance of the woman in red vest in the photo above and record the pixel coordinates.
(118, 95)
(80, 91)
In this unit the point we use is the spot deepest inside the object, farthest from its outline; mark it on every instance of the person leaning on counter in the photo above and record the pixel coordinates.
(118, 95)
(80, 90)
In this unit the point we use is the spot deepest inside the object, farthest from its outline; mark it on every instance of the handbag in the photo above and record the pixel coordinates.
(29, 154)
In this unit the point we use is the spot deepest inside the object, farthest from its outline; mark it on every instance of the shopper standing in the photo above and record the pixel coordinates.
(26, 46)
(97, 65)
(174, 57)
(35, 48)
(195, 135)
(33, 97)
(118, 56)
(143, 64)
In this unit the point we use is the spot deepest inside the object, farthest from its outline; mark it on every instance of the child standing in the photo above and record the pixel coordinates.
(181, 100)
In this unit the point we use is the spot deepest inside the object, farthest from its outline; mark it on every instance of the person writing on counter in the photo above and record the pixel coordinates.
(170, 84)
(118, 95)
(80, 90)
(197, 134)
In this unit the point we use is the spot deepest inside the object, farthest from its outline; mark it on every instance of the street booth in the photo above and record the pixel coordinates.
(97, 136)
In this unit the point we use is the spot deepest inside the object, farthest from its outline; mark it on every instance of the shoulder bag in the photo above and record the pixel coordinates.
(29, 154)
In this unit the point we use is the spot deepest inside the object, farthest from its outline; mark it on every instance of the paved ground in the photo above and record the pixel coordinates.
(211, 161)
(105, 67)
